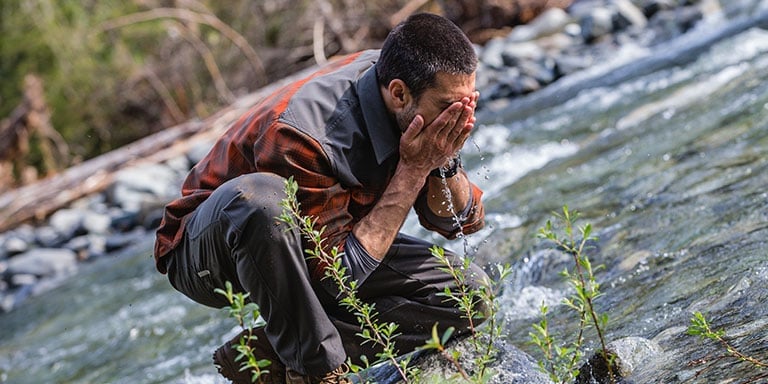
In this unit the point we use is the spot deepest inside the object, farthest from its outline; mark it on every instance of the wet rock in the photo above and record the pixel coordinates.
(566, 65)
(88, 246)
(14, 245)
(123, 220)
(68, 222)
(97, 246)
(96, 222)
(515, 54)
(18, 241)
(491, 55)
(48, 237)
(78, 244)
(144, 184)
(548, 23)
(596, 24)
(510, 366)
(121, 240)
(543, 70)
(629, 353)
(43, 262)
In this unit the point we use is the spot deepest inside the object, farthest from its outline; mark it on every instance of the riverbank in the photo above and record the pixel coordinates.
(556, 45)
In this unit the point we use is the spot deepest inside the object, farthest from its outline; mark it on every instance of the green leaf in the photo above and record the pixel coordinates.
(447, 334)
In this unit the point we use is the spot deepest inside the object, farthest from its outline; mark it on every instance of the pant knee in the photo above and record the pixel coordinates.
(259, 193)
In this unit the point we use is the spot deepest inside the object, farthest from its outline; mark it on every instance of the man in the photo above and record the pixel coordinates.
(367, 138)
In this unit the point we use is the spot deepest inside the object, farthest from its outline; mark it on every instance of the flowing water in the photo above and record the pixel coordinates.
(669, 167)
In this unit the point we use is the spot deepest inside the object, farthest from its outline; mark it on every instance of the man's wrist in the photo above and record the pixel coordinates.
(449, 170)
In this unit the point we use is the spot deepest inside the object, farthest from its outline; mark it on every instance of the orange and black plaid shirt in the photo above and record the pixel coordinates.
(332, 133)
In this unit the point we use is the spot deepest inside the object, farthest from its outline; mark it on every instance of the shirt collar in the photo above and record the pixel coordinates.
(377, 119)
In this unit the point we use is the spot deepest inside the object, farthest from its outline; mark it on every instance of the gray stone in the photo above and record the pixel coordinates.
(146, 183)
(49, 237)
(97, 245)
(96, 222)
(597, 23)
(43, 262)
(492, 53)
(67, 221)
(123, 220)
(510, 366)
(78, 243)
(548, 23)
(14, 245)
(566, 65)
(514, 53)
(121, 240)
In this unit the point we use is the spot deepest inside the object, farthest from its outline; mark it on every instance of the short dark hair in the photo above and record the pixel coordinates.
(420, 47)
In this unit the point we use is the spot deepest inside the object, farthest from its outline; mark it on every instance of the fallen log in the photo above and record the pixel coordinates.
(38, 200)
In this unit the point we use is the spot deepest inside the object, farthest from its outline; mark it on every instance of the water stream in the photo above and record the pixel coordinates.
(669, 167)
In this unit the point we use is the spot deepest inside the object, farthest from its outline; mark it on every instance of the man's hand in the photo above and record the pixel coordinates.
(427, 147)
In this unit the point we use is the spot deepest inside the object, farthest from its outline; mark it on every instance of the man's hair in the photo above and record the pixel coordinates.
(420, 47)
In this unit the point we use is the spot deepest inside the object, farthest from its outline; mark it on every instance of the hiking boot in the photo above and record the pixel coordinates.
(337, 376)
(224, 360)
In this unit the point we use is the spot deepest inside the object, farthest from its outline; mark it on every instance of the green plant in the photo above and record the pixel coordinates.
(371, 330)
(466, 300)
(700, 327)
(247, 317)
(561, 361)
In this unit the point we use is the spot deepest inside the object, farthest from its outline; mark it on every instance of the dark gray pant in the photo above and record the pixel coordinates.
(234, 236)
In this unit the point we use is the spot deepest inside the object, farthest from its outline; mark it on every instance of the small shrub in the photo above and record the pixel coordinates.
(561, 361)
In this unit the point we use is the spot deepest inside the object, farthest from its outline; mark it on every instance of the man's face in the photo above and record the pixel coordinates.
(448, 89)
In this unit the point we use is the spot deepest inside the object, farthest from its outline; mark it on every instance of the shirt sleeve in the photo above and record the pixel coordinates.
(469, 220)
(290, 153)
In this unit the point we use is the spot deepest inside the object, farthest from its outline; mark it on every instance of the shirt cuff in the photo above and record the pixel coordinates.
(450, 223)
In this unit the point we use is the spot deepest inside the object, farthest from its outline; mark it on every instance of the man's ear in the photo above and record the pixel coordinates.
(399, 94)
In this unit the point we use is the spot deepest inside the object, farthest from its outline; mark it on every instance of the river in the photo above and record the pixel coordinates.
(668, 165)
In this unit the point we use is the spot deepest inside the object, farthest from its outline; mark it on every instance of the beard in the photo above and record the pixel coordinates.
(405, 117)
